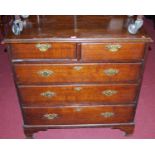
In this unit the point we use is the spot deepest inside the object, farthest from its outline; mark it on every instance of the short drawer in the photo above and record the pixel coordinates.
(112, 51)
(72, 73)
(78, 115)
(53, 94)
(44, 51)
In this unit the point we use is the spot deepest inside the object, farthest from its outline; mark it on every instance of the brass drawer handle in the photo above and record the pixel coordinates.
(113, 48)
(109, 92)
(111, 72)
(50, 116)
(43, 47)
(107, 114)
(45, 73)
(77, 68)
(48, 94)
(77, 89)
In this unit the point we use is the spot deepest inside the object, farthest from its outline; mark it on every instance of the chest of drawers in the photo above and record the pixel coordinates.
(83, 74)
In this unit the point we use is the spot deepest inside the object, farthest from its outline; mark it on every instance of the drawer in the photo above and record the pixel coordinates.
(44, 51)
(72, 73)
(78, 115)
(116, 93)
(112, 51)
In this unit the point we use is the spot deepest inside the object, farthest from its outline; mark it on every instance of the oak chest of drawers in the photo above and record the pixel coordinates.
(83, 73)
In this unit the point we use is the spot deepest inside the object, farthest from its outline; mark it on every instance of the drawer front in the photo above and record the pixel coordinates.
(88, 93)
(79, 115)
(114, 51)
(44, 50)
(52, 73)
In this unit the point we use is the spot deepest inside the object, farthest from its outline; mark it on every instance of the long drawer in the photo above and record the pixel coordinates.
(83, 73)
(79, 115)
(112, 51)
(44, 51)
(54, 94)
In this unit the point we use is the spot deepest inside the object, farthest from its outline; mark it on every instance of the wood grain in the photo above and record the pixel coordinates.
(99, 52)
(90, 72)
(76, 94)
(87, 115)
(56, 51)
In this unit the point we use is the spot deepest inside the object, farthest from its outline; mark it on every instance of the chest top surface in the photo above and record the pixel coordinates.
(76, 29)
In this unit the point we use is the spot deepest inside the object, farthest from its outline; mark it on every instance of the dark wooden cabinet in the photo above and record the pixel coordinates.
(86, 73)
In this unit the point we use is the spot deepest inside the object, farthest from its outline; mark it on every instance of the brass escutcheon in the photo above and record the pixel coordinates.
(77, 68)
(107, 114)
(48, 94)
(43, 47)
(109, 92)
(45, 73)
(50, 116)
(111, 72)
(78, 109)
(77, 89)
(113, 48)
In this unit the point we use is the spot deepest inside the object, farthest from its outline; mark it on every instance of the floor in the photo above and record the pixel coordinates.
(11, 119)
